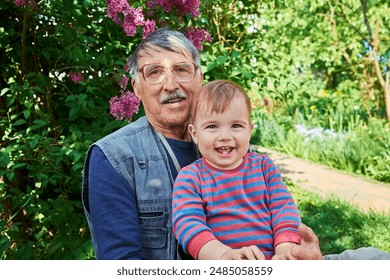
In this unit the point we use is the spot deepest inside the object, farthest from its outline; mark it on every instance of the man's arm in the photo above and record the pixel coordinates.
(113, 211)
(310, 249)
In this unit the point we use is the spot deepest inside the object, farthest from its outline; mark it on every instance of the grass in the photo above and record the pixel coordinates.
(340, 226)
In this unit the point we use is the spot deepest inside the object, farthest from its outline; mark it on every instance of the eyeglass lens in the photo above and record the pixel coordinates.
(155, 73)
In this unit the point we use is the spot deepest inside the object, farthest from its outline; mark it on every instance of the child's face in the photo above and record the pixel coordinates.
(223, 139)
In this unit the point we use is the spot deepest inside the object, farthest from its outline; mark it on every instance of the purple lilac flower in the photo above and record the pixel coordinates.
(149, 27)
(190, 7)
(197, 36)
(183, 7)
(24, 2)
(165, 4)
(115, 7)
(76, 77)
(19, 2)
(132, 19)
(122, 80)
(125, 106)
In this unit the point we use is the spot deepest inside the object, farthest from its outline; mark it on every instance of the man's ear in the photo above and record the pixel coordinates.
(201, 78)
(192, 131)
(135, 88)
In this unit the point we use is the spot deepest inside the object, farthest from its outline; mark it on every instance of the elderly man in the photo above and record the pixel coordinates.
(129, 174)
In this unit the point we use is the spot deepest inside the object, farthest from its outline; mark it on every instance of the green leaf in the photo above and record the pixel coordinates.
(221, 59)
(26, 113)
(10, 175)
(19, 122)
(10, 100)
(235, 54)
(35, 141)
(4, 91)
(18, 165)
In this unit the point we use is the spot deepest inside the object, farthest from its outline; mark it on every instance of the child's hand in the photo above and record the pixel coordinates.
(283, 251)
(244, 253)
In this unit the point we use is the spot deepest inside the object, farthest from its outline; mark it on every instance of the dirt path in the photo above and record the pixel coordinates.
(359, 191)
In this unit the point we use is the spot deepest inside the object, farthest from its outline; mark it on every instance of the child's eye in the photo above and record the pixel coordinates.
(211, 126)
(236, 125)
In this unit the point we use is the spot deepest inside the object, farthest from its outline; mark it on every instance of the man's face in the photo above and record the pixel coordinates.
(163, 111)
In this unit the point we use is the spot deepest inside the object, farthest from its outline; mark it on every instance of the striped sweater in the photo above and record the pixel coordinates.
(249, 205)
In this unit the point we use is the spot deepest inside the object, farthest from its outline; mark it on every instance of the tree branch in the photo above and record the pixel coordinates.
(384, 83)
(366, 22)
(337, 40)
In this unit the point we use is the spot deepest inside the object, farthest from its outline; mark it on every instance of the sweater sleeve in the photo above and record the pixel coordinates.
(189, 218)
(114, 216)
(284, 213)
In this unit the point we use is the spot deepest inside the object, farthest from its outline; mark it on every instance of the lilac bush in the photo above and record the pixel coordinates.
(153, 14)
(129, 18)
(197, 36)
(123, 107)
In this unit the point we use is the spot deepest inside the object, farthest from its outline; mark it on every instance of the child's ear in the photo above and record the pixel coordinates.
(192, 131)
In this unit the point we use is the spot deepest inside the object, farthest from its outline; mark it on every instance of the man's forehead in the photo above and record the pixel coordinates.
(159, 55)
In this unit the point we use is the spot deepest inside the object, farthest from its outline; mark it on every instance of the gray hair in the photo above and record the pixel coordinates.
(170, 40)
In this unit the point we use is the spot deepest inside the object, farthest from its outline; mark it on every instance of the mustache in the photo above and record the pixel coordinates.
(177, 94)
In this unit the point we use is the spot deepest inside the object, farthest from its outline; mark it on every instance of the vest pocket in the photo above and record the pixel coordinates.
(153, 237)
(154, 233)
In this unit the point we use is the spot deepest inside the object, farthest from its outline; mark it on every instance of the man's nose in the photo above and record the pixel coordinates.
(170, 82)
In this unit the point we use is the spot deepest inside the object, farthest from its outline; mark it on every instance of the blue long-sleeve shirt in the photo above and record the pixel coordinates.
(114, 211)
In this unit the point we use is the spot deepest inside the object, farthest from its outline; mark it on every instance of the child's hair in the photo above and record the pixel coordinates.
(216, 96)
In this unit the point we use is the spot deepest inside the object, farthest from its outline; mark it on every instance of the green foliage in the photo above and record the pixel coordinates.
(339, 225)
(48, 122)
(315, 54)
(318, 70)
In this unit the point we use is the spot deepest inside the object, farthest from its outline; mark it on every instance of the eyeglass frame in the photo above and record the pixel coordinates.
(170, 68)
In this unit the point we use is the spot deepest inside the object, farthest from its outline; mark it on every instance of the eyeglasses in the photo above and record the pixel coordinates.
(154, 73)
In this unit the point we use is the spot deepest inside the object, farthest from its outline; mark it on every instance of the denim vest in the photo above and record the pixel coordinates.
(137, 154)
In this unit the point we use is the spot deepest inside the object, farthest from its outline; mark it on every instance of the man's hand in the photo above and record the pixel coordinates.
(309, 249)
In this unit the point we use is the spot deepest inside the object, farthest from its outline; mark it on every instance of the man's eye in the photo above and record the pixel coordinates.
(181, 69)
(184, 68)
(155, 72)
